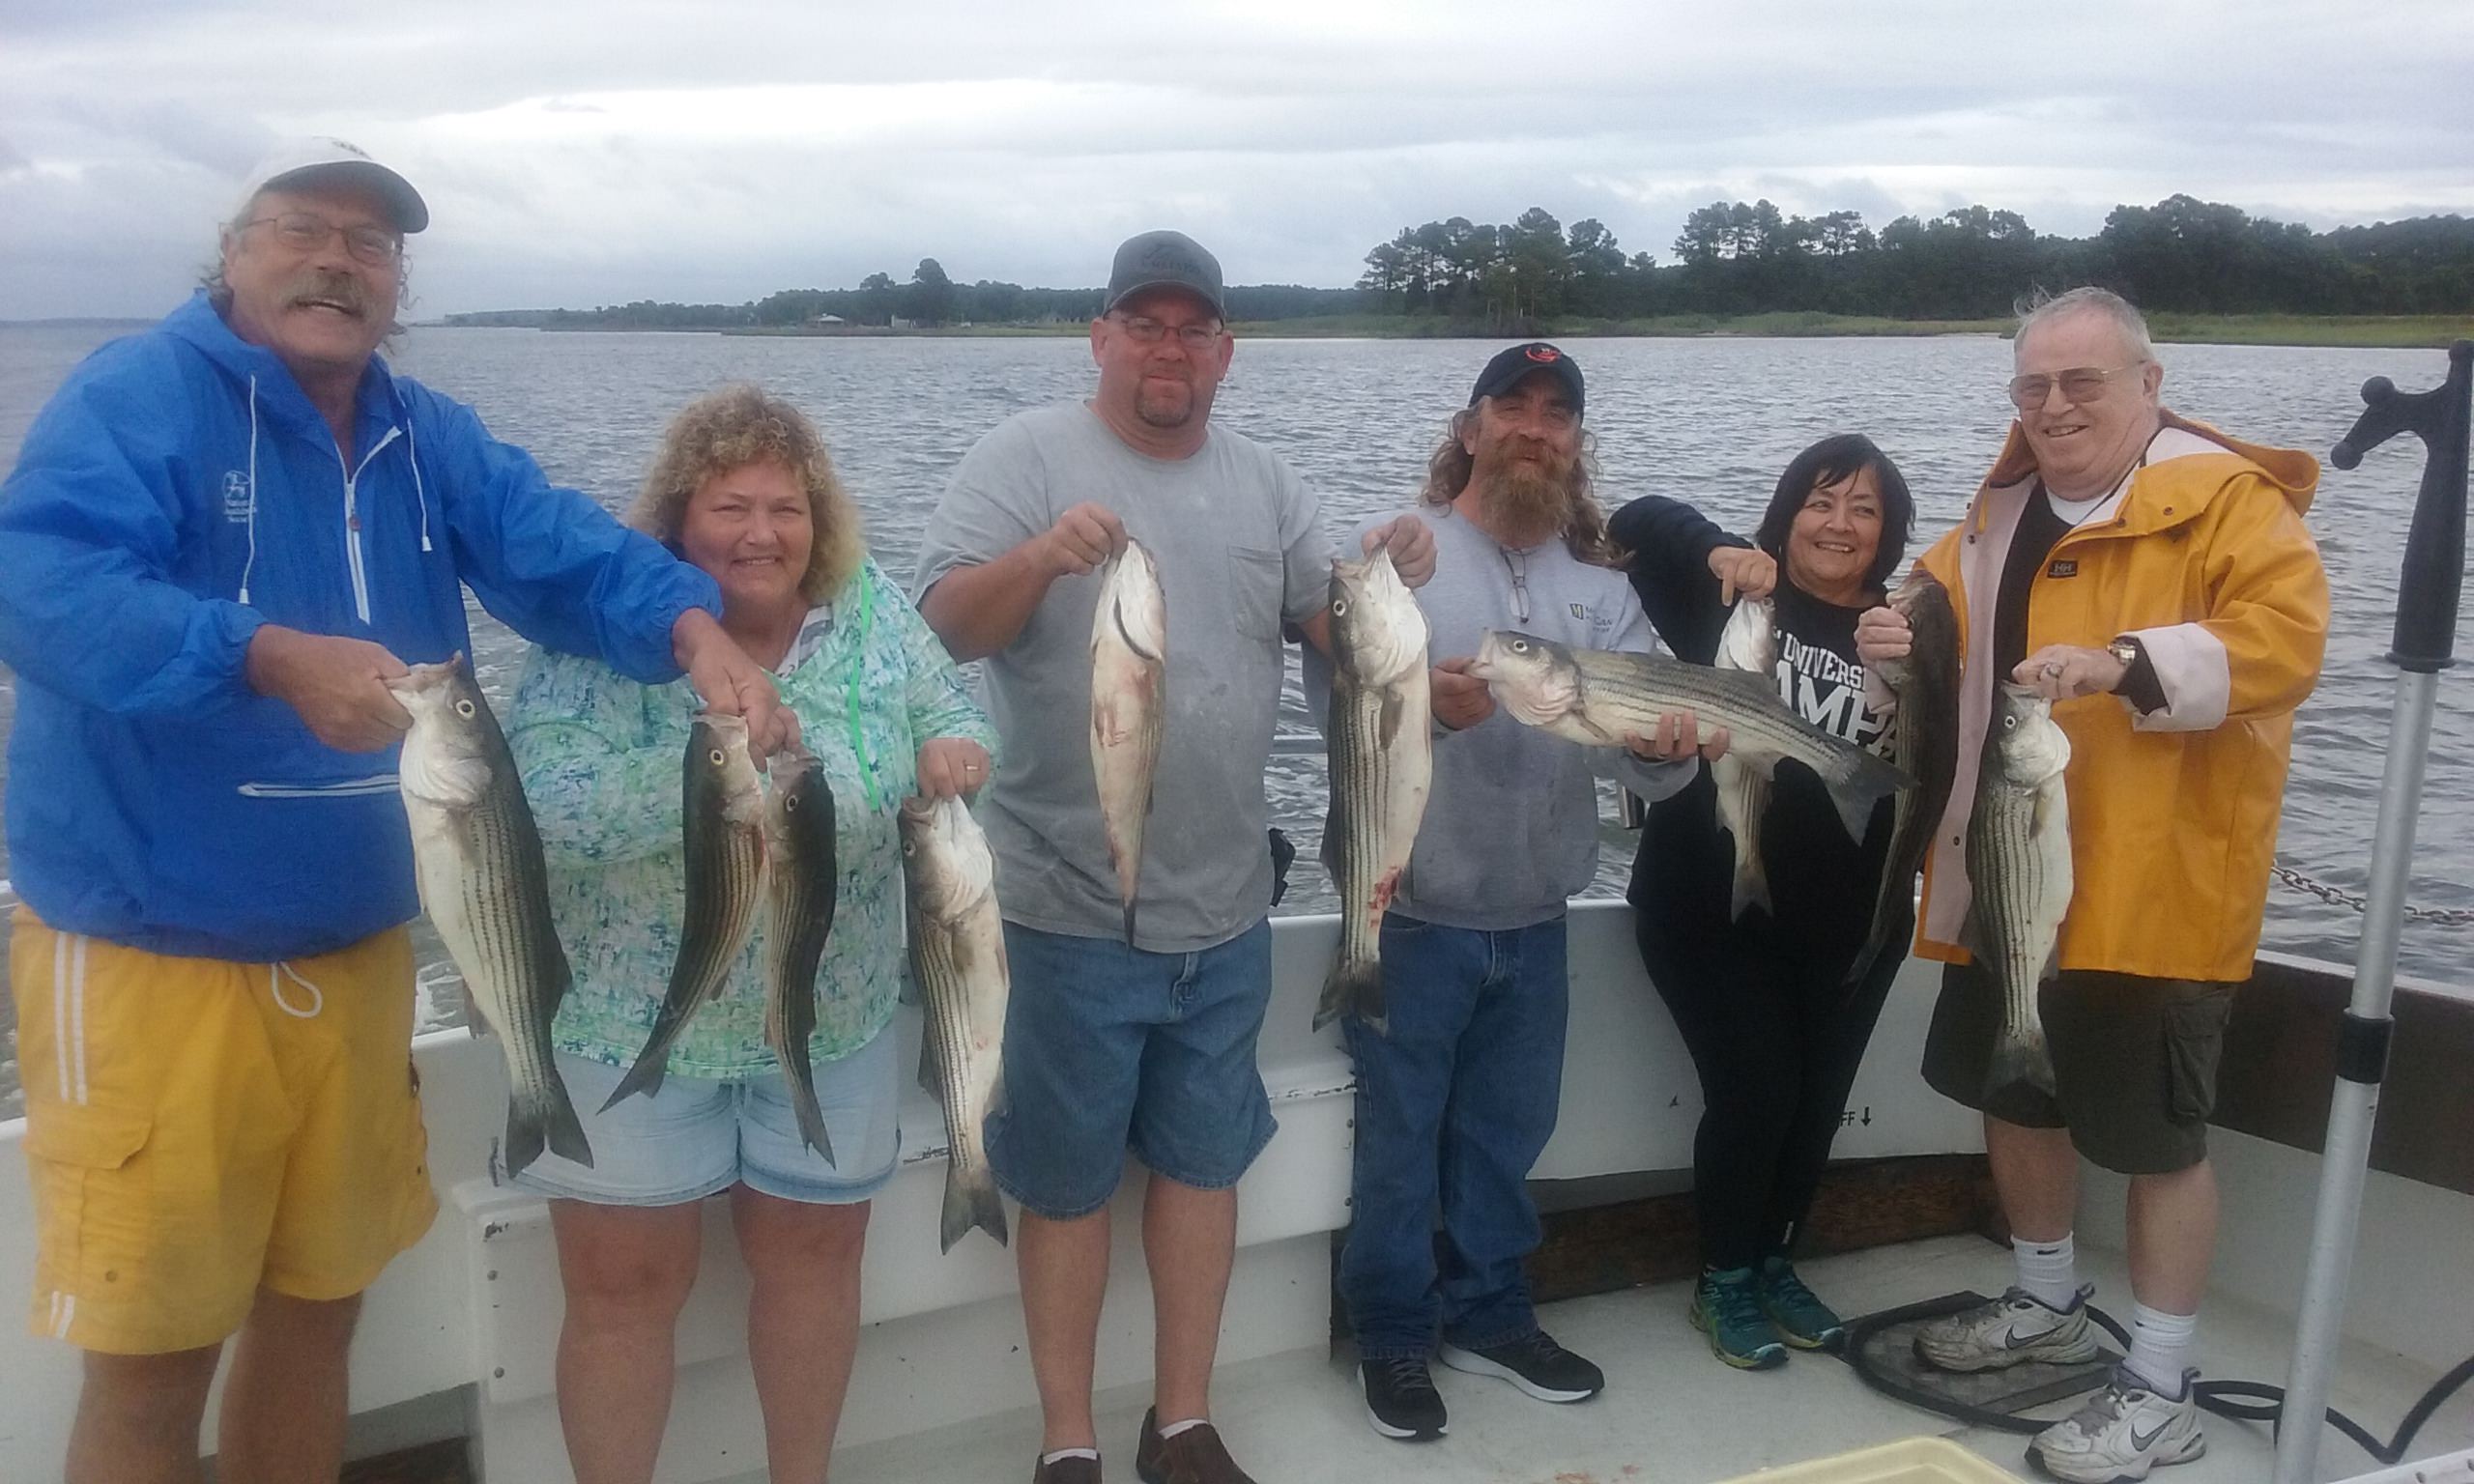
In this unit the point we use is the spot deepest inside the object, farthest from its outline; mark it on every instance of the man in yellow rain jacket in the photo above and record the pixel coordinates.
(2154, 579)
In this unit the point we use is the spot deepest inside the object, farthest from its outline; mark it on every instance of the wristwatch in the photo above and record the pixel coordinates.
(2127, 650)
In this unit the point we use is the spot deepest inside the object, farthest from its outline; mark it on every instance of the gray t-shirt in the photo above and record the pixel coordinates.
(1510, 828)
(1239, 551)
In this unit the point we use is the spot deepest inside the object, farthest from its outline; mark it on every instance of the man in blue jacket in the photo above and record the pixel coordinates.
(222, 537)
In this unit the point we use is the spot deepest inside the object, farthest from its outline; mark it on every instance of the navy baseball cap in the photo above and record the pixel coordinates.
(1166, 260)
(1509, 367)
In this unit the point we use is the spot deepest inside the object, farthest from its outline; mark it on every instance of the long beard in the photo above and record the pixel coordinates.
(1525, 503)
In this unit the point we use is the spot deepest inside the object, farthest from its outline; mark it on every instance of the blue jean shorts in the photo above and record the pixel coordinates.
(698, 1135)
(1110, 1049)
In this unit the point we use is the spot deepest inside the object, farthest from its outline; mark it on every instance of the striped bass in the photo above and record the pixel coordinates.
(1381, 746)
(476, 856)
(2019, 875)
(721, 817)
(799, 848)
(1129, 708)
(957, 955)
(1923, 742)
(1748, 642)
(1595, 696)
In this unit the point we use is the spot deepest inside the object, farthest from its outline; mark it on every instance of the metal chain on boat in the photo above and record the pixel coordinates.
(2338, 895)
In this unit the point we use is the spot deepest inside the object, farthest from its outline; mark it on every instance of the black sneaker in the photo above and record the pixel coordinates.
(1536, 1364)
(1401, 1401)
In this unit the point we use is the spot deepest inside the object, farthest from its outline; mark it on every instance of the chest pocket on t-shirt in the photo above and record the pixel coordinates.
(1256, 578)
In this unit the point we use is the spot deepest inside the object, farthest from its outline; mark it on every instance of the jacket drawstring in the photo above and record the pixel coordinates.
(251, 565)
(420, 497)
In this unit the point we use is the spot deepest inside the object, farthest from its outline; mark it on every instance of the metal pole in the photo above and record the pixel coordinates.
(2422, 645)
(2362, 1059)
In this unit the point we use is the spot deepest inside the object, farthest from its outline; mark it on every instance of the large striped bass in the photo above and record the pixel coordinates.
(2019, 875)
(476, 856)
(799, 846)
(957, 955)
(1381, 746)
(722, 817)
(1129, 708)
(1595, 696)
(1750, 643)
(1923, 742)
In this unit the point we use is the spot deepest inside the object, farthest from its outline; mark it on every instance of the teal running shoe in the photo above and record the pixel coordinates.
(1801, 1319)
(1726, 1306)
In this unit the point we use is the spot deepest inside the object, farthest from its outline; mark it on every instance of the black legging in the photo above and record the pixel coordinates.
(1777, 1041)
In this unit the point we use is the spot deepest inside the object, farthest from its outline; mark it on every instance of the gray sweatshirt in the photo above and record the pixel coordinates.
(1510, 828)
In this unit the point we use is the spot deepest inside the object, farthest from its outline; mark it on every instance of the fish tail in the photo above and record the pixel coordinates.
(2020, 1055)
(645, 1077)
(1858, 782)
(564, 1129)
(544, 1118)
(971, 1200)
(1863, 964)
(1352, 988)
(803, 1105)
(1129, 921)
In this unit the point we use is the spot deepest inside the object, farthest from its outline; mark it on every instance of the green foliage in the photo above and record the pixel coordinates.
(1733, 260)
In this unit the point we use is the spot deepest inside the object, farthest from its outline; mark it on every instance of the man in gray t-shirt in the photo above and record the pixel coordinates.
(1147, 1045)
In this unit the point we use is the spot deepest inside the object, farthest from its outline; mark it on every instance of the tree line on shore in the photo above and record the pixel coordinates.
(1732, 258)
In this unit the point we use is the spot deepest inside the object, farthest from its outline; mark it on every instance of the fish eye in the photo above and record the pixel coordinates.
(714, 757)
(1339, 606)
(464, 708)
(1520, 646)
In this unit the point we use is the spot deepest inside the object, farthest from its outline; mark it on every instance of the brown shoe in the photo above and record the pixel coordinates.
(1066, 1470)
(1194, 1456)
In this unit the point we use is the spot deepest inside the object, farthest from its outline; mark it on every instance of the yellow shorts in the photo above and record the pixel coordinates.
(196, 1129)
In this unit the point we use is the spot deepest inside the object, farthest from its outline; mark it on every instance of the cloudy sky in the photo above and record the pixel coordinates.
(583, 152)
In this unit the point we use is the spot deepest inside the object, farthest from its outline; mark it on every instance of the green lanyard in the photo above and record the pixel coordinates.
(859, 752)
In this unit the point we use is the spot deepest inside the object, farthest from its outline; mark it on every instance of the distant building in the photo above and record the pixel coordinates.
(828, 319)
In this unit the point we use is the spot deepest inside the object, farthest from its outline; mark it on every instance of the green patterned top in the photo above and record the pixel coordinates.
(600, 756)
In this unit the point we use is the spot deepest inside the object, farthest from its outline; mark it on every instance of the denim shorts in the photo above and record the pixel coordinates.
(1110, 1049)
(699, 1135)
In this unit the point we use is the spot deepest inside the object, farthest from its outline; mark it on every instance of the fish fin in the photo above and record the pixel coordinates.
(1353, 990)
(2019, 1056)
(1387, 718)
(652, 1064)
(1129, 921)
(969, 1203)
(930, 1073)
(565, 1129)
(547, 1120)
(1752, 883)
(525, 1140)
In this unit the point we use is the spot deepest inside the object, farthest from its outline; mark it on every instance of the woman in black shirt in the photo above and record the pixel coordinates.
(1774, 1031)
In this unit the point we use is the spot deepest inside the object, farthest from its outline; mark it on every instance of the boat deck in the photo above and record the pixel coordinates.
(1670, 1414)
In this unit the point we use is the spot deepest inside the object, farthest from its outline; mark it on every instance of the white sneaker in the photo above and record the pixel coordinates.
(2008, 1330)
(2125, 1430)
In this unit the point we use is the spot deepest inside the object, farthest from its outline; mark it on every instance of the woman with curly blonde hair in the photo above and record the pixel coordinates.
(742, 487)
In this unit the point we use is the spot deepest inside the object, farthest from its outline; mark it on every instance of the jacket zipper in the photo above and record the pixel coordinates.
(352, 522)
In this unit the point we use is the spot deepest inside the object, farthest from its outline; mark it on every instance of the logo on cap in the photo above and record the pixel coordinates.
(1544, 354)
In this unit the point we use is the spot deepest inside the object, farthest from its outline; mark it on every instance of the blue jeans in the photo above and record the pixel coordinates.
(1454, 1107)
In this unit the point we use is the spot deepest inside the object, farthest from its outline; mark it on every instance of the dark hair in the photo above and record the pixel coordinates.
(1841, 456)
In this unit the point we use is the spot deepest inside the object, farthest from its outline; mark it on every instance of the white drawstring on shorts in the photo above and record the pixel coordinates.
(279, 971)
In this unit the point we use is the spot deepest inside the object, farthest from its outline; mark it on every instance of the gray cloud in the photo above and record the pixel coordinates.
(575, 154)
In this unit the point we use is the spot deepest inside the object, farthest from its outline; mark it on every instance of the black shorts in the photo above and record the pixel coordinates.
(2134, 1062)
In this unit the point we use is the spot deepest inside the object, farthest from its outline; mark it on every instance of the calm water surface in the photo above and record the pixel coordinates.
(1711, 422)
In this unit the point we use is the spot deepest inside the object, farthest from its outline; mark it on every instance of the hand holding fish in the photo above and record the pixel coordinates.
(1460, 698)
(2067, 671)
(731, 684)
(338, 686)
(1673, 740)
(1411, 543)
(1081, 539)
(951, 768)
(1743, 569)
(1881, 634)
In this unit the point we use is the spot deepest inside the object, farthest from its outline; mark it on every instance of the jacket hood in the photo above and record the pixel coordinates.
(198, 325)
(2294, 473)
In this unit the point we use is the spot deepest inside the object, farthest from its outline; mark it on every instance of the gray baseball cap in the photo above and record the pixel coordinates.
(305, 162)
(1166, 260)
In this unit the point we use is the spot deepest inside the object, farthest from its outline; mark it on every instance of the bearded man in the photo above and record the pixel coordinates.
(1458, 1096)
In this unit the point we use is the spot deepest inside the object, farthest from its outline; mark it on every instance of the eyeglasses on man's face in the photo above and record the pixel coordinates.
(2079, 384)
(306, 232)
(1142, 329)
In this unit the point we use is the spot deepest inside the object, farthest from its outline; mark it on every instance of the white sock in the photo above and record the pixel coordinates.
(1093, 1454)
(2049, 1271)
(2160, 1348)
(1169, 1430)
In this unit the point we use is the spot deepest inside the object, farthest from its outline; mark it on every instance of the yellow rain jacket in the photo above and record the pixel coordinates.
(2202, 556)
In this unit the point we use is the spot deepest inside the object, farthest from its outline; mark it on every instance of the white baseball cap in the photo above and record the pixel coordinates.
(299, 161)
